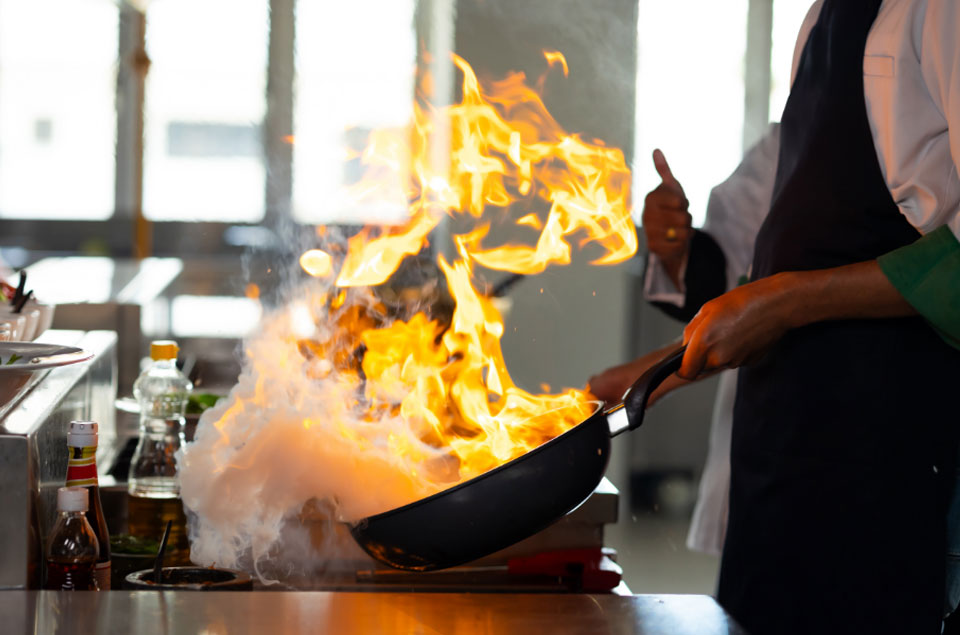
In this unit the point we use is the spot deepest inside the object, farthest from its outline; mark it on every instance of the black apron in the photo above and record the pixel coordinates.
(844, 435)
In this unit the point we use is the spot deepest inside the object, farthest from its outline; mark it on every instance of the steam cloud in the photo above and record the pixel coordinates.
(268, 475)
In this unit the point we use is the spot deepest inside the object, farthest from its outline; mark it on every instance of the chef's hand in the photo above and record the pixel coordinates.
(666, 222)
(611, 384)
(737, 327)
(740, 325)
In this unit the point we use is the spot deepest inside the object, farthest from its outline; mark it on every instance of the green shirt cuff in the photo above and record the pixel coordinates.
(927, 274)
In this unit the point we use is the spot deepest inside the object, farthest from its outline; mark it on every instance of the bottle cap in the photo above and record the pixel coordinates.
(82, 434)
(163, 349)
(72, 499)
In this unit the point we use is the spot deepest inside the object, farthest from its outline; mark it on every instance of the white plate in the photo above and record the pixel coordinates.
(31, 356)
(15, 378)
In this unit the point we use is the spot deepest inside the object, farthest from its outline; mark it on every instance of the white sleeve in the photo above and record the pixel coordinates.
(940, 64)
(738, 206)
(657, 285)
(735, 210)
(911, 81)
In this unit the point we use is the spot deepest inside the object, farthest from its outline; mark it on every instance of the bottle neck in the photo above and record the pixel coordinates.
(82, 467)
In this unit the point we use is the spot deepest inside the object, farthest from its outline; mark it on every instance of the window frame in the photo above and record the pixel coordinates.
(127, 233)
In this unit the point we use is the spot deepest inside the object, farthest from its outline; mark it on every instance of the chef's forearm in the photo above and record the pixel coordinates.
(854, 291)
(922, 278)
(742, 324)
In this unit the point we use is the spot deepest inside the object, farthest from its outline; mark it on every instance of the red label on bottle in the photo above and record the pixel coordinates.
(82, 468)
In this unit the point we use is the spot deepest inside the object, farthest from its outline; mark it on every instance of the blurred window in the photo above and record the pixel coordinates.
(690, 94)
(204, 104)
(787, 17)
(58, 122)
(213, 316)
(355, 71)
(690, 89)
(74, 280)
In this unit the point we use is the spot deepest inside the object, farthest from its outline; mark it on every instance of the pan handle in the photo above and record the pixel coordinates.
(628, 415)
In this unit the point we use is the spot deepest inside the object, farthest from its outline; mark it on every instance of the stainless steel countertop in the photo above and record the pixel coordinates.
(33, 448)
(285, 612)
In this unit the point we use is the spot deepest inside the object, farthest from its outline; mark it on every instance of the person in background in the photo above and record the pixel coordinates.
(847, 335)
(684, 271)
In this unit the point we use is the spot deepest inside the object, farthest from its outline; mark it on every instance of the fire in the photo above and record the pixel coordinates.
(556, 57)
(451, 385)
(505, 148)
(407, 385)
(317, 263)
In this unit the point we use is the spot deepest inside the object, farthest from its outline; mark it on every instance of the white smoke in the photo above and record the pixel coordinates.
(275, 466)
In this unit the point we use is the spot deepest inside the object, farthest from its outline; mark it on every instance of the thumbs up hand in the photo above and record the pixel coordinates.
(666, 222)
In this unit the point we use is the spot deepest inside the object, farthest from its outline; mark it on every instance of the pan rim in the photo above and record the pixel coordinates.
(599, 411)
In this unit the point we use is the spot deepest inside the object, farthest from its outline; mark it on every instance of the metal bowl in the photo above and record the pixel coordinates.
(189, 579)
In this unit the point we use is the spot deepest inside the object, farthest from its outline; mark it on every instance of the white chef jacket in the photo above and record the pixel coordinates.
(911, 78)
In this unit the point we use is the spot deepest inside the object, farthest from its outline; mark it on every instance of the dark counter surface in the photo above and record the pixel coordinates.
(145, 612)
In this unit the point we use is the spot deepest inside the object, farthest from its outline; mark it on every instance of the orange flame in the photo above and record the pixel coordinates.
(423, 393)
(556, 57)
(505, 147)
(317, 263)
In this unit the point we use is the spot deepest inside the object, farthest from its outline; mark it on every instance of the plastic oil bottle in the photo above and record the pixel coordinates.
(153, 488)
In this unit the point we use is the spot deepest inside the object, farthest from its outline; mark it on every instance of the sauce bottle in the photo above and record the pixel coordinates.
(72, 549)
(82, 441)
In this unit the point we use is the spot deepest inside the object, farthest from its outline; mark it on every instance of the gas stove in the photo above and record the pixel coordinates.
(568, 556)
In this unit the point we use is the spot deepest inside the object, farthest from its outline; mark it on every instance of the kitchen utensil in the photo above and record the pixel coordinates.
(60, 358)
(17, 366)
(18, 294)
(512, 501)
(501, 288)
(419, 285)
(18, 357)
(158, 563)
(19, 304)
(190, 579)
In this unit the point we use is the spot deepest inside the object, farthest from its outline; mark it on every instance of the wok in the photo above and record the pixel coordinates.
(513, 501)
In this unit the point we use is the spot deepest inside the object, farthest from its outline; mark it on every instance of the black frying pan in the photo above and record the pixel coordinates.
(513, 501)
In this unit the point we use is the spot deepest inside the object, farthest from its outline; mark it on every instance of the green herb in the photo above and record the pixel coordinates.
(14, 358)
(123, 543)
(198, 402)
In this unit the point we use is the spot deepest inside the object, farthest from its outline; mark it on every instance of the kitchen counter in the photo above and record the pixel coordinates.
(381, 613)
